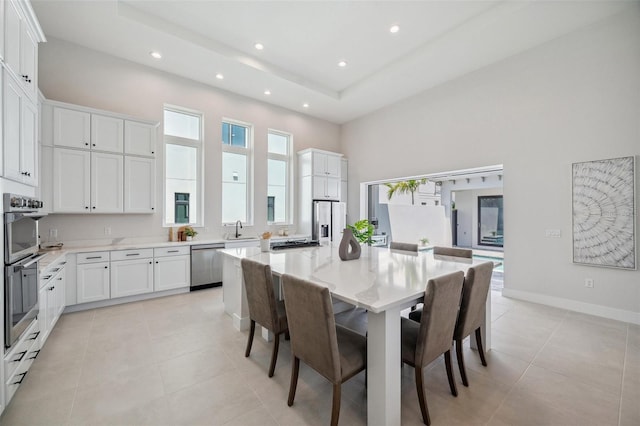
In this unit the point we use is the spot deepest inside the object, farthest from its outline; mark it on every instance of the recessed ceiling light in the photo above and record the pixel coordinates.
(305, 105)
(259, 46)
(342, 64)
(220, 76)
(155, 55)
(394, 29)
(267, 92)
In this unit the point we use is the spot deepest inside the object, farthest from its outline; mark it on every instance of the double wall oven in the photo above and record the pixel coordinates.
(21, 257)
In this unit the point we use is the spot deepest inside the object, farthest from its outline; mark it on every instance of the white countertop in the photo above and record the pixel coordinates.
(380, 279)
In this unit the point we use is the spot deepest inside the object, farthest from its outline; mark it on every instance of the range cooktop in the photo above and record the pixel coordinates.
(280, 245)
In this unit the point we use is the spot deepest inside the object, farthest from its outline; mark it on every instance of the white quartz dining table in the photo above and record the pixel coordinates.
(382, 281)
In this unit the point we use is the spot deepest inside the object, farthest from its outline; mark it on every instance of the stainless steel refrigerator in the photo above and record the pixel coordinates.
(329, 219)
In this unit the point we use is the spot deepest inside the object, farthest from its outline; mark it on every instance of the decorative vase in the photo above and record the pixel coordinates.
(349, 248)
(189, 238)
(265, 244)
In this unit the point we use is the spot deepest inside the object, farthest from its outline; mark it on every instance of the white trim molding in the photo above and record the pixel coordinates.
(574, 305)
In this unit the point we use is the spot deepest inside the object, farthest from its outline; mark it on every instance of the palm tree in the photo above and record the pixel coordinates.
(405, 186)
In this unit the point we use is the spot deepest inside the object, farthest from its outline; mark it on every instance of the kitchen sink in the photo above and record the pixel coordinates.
(241, 237)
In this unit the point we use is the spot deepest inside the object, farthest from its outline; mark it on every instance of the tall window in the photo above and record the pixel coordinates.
(182, 166)
(278, 177)
(236, 172)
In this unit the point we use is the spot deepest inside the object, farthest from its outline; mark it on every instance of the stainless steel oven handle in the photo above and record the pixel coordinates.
(33, 260)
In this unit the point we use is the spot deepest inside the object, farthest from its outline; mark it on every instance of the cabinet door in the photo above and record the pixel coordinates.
(107, 133)
(333, 188)
(71, 128)
(13, 21)
(93, 282)
(43, 315)
(319, 188)
(139, 138)
(172, 272)
(107, 185)
(60, 294)
(28, 58)
(1, 40)
(71, 181)
(130, 277)
(139, 185)
(12, 99)
(28, 122)
(343, 191)
(319, 164)
(334, 165)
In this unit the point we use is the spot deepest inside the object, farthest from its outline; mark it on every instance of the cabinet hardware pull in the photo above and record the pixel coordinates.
(60, 279)
(94, 207)
(21, 379)
(172, 251)
(55, 269)
(86, 207)
(106, 267)
(51, 288)
(153, 208)
(153, 152)
(86, 143)
(36, 334)
(133, 254)
(94, 257)
(22, 354)
(36, 354)
(156, 261)
(46, 277)
(63, 263)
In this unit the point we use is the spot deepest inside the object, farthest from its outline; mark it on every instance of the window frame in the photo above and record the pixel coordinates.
(289, 191)
(192, 143)
(247, 151)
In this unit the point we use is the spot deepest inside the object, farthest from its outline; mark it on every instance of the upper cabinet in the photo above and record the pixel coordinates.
(319, 163)
(139, 138)
(107, 133)
(21, 36)
(71, 128)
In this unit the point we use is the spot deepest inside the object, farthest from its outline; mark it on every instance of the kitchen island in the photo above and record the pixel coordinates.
(382, 281)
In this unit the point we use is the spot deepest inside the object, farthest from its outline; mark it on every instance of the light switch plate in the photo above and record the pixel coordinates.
(552, 233)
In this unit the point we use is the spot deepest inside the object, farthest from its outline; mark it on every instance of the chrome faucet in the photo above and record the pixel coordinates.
(238, 223)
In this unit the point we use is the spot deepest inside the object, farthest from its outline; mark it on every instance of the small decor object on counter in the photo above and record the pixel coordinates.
(172, 234)
(349, 248)
(424, 241)
(189, 233)
(265, 241)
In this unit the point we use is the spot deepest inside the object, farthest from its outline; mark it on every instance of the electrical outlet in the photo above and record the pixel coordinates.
(552, 233)
(588, 282)
(107, 230)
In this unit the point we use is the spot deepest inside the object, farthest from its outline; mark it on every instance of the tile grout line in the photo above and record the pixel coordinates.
(624, 369)
(84, 357)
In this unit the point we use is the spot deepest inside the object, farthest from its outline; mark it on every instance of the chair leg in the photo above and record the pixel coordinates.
(480, 348)
(252, 330)
(295, 367)
(274, 354)
(452, 382)
(421, 397)
(460, 356)
(335, 409)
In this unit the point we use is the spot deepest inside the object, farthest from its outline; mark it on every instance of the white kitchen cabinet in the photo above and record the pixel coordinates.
(107, 183)
(326, 188)
(139, 138)
(51, 299)
(71, 128)
(107, 134)
(21, 48)
(18, 360)
(172, 272)
(12, 31)
(28, 61)
(92, 281)
(131, 277)
(71, 181)
(325, 164)
(139, 184)
(2, 27)
(20, 120)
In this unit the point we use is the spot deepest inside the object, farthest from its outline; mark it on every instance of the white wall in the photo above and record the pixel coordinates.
(77, 75)
(409, 224)
(467, 205)
(576, 98)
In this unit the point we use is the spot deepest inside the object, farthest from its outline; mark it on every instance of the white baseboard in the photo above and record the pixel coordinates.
(574, 305)
(240, 324)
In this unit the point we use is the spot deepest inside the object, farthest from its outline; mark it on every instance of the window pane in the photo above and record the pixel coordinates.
(181, 170)
(238, 136)
(234, 187)
(181, 125)
(278, 144)
(277, 188)
(226, 133)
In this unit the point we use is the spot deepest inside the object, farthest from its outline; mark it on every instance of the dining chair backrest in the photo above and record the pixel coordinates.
(261, 299)
(312, 326)
(441, 303)
(403, 246)
(474, 297)
(453, 251)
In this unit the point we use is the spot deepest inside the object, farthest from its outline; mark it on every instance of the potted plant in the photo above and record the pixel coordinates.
(362, 230)
(190, 233)
(424, 241)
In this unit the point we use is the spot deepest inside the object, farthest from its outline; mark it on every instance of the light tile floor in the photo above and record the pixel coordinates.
(178, 360)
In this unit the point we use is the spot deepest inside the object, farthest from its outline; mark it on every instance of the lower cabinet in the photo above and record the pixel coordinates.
(51, 299)
(172, 272)
(19, 359)
(93, 282)
(131, 277)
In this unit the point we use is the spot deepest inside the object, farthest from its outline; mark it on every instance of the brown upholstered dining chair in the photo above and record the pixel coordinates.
(415, 314)
(425, 341)
(335, 352)
(403, 246)
(263, 307)
(472, 312)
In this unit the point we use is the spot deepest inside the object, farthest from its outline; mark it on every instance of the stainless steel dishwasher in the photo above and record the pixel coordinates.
(206, 266)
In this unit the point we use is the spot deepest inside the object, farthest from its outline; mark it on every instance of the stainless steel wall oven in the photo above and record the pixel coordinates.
(20, 264)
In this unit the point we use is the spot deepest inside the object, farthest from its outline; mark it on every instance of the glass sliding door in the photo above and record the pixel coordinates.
(490, 221)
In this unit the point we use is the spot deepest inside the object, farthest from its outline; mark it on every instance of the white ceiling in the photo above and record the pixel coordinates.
(304, 40)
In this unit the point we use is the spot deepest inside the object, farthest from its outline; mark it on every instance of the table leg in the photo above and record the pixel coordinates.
(383, 367)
